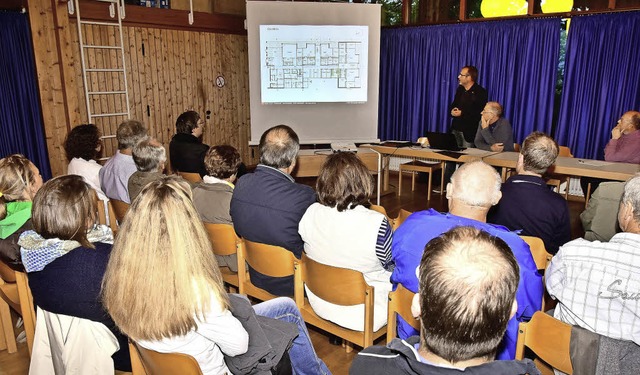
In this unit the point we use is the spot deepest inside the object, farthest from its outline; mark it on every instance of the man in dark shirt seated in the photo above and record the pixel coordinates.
(267, 205)
(494, 131)
(527, 203)
(186, 149)
(468, 282)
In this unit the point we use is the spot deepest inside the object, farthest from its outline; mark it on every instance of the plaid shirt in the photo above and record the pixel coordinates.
(597, 285)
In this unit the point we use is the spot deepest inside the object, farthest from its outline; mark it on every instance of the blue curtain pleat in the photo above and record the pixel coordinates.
(20, 115)
(517, 60)
(601, 82)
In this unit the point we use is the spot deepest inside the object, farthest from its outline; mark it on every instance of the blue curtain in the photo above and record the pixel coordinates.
(21, 125)
(601, 81)
(517, 61)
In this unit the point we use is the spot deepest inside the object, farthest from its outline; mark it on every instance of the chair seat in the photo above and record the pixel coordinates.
(229, 276)
(420, 166)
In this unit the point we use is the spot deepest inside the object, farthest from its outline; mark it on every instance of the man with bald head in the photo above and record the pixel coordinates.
(473, 190)
(267, 205)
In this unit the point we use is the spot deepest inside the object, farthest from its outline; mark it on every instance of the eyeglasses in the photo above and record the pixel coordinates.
(464, 75)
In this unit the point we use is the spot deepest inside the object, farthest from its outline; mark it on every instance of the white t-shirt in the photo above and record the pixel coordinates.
(89, 170)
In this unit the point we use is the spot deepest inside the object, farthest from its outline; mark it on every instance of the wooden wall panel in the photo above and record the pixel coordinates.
(171, 71)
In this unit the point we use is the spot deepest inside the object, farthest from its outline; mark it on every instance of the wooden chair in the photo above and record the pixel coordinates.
(542, 259)
(339, 286)
(416, 166)
(191, 177)
(380, 209)
(224, 241)
(106, 216)
(400, 304)
(402, 216)
(549, 339)
(120, 209)
(15, 293)
(274, 261)
(149, 362)
(555, 179)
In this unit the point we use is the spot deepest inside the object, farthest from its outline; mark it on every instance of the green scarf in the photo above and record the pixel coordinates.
(17, 214)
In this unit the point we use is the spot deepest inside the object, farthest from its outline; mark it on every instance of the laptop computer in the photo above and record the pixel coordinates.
(443, 141)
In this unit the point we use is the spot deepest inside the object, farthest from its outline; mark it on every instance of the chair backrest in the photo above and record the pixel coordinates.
(106, 214)
(516, 147)
(400, 304)
(191, 177)
(340, 286)
(540, 255)
(565, 151)
(548, 338)
(274, 261)
(223, 238)
(27, 308)
(149, 362)
(402, 216)
(120, 209)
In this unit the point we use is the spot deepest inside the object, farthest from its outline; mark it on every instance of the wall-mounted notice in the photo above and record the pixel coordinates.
(314, 63)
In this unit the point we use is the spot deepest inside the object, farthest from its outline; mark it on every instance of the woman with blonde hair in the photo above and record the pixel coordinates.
(66, 254)
(20, 180)
(341, 231)
(163, 286)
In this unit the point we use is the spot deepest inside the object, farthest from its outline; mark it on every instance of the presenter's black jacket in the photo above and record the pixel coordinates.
(471, 102)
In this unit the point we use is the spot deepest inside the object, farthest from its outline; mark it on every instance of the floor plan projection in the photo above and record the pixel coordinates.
(309, 64)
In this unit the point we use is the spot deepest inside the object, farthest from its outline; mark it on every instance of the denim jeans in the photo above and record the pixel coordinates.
(303, 357)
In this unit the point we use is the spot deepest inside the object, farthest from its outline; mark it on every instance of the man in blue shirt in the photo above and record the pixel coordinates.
(473, 189)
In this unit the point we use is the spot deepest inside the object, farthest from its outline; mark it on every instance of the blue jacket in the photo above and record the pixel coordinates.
(266, 207)
(409, 242)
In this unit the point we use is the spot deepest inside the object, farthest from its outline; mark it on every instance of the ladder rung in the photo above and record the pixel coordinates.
(110, 114)
(106, 92)
(100, 23)
(109, 1)
(107, 136)
(104, 70)
(102, 47)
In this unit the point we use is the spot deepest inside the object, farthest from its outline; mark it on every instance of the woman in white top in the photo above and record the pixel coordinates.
(164, 290)
(341, 231)
(83, 146)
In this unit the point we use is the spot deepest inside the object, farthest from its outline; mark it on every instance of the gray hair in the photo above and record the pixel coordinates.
(476, 183)
(149, 155)
(631, 196)
(496, 107)
(129, 133)
(539, 152)
(279, 147)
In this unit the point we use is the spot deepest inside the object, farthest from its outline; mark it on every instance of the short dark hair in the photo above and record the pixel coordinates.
(148, 155)
(539, 151)
(279, 147)
(472, 71)
(129, 133)
(222, 161)
(344, 182)
(468, 281)
(82, 142)
(187, 121)
(63, 208)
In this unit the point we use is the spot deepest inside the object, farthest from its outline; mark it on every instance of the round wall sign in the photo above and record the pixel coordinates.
(220, 81)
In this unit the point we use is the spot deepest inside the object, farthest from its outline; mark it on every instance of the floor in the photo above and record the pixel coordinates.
(334, 356)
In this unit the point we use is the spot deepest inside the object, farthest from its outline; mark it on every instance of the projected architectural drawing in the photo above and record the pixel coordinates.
(307, 64)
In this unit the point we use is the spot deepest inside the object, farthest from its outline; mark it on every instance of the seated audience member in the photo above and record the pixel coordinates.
(468, 281)
(341, 231)
(83, 146)
(212, 196)
(596, 283)
(66, 255)
(494, 131)
(186, 149)
(624, 146)
(267, 205)
(114, 176)
(149, 157)
(20, 180)
(527, 204)
(600, 219)
(181, 275)
(473, 189)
